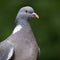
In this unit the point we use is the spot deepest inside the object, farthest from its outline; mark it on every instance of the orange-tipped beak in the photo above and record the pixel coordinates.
(35, 15)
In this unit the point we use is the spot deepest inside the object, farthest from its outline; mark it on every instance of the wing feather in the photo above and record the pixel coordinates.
(6, 51)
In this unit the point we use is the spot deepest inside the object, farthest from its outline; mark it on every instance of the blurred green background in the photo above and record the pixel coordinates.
(46, 29)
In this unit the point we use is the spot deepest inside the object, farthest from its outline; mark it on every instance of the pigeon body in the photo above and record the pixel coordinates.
(21, 43)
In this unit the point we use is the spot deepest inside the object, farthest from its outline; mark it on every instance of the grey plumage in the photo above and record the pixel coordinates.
(23, 41)
(5, 49)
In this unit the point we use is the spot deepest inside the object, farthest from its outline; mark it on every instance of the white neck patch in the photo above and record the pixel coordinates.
(17, 28)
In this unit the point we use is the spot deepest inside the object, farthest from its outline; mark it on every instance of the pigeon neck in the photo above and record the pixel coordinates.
(22, 22)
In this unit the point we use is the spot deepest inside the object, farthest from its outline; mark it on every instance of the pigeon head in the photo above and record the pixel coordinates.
(26, 13)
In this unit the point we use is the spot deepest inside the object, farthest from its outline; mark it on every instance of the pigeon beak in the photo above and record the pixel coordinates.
(35, 15)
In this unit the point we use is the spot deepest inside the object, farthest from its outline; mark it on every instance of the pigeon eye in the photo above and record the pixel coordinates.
(26, 11)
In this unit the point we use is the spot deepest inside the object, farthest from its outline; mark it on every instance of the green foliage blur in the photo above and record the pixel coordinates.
(46, 29)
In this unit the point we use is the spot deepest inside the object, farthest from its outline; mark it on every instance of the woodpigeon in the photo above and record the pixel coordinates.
(21, 44)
